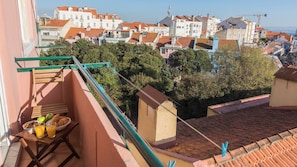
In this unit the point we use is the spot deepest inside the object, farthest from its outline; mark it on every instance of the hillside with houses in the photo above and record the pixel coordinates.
(170, 34)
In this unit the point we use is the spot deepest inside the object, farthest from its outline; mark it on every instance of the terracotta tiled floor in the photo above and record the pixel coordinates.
(55, 158)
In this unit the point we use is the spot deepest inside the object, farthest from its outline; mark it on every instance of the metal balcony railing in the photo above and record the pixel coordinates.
(125, 125)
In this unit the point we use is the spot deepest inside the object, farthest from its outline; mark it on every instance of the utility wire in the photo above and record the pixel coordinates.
(179, 118)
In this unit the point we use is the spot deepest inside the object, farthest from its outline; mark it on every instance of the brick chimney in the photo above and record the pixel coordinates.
(140, 38)
(155, 123)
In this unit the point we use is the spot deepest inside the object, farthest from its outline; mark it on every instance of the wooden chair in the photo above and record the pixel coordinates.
(46, 77)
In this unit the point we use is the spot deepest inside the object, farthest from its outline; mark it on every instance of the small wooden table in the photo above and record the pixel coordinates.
(45, 142)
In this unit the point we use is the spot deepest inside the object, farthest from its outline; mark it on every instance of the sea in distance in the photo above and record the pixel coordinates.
(288, 30)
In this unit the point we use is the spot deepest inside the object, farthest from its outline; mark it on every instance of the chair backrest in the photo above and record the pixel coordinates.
(47, 76)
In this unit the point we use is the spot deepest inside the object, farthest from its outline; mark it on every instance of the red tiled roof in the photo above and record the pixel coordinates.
(274, 151)
(56, 23)
(259, 28)
(186, 18)
(147, 38)
(186, 41)
(109, 16)
(203, 43)
(163, 40)
(155, 25)
(287, 73)
(242, 129)
(74, 31)
(270, 34)
(75, 9)
(230, 44)
(134, 25)
(149, 93)
(90, 10)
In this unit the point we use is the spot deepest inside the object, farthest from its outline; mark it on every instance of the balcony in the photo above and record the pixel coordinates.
(95, 139)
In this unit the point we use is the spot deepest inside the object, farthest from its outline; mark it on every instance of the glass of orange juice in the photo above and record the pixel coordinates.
(51, 131)
(39, 130)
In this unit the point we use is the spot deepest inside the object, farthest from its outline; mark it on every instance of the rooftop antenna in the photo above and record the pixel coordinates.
(169, 12)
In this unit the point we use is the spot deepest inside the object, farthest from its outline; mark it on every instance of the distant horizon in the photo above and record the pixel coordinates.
(279, 14)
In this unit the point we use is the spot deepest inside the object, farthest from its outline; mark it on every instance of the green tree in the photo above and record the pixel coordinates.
(67, 51)
(190, 61)
(254, 71)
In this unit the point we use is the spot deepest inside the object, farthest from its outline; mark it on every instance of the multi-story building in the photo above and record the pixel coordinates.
(237, 29)
(52, 29)
(161, 28)
(209, 25)
(87, 17)
(183, 26)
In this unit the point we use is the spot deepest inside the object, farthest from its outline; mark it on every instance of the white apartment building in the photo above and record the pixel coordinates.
(158, 28)
(87, 17)
(209, 25)
(52, 29)
(237, 29)
(183, 26)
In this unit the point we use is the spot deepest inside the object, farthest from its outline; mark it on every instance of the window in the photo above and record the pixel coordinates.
(26, 26)
(88, 17)
(94, 25)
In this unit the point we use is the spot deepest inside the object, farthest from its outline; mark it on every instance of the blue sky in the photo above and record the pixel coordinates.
(280, 13)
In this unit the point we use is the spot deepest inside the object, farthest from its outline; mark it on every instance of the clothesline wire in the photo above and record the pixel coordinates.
(179, 118)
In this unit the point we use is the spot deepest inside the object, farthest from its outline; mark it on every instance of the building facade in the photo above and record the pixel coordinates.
(87, 17)
(237, 29)
(183, 26)
(209, 25)
(18, 40)
(51, 30)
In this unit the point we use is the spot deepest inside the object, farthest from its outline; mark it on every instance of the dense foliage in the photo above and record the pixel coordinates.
(190, 77)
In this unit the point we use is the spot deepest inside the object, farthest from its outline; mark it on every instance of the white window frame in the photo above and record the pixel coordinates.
(4, 142)
(27, 39)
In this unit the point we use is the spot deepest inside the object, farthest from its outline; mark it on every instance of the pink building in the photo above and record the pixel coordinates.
(99, 142)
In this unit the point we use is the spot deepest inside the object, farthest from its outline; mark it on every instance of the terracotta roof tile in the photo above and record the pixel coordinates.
(164, 40)
(252, 133)
(204, 43)
(75, 9)
(186, 41)
(74, 31)
(109, 16)
(56, 23)
(146, 38)
(134, 25)
(230, 44)
(187, 18)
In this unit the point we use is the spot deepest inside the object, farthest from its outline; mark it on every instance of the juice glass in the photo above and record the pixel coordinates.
(51, 131)
(39, 130)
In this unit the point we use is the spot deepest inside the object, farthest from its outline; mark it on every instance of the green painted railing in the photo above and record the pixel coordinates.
(144, 149)
(69, 66)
